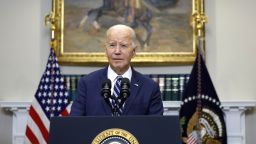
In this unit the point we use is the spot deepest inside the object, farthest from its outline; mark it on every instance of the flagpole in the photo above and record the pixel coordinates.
(205, 123)
(51, 97)
(199, 94)
(198, 21)
(50, 21)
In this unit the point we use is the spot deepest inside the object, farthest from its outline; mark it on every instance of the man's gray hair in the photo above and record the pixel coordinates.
(122, 26)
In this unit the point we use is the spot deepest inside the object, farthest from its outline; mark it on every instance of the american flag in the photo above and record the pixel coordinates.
(51, 99)
(193, 138)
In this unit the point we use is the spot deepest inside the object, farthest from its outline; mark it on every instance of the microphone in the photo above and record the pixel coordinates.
(125, 90)
(106, 91)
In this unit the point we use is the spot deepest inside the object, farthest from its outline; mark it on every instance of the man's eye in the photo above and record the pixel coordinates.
(124, 46)
(112, 45)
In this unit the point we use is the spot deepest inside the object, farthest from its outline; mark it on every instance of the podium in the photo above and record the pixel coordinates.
(118, 130)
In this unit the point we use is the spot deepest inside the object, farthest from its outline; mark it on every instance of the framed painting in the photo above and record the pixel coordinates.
(165, 33)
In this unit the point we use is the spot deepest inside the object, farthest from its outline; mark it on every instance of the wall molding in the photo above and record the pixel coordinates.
(234, 116)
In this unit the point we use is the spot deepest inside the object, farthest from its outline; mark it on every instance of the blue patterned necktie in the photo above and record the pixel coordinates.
(116, 94)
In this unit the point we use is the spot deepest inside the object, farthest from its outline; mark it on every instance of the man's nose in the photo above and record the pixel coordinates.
(117, 49)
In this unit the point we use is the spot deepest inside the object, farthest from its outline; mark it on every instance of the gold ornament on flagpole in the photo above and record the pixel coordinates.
(51, 21)
(198, 18)
(198, 21)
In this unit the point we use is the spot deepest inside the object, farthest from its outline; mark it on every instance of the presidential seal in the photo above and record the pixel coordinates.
(115, 136)
(211, 128)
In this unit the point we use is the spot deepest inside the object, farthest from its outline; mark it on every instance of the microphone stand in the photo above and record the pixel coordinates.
(106, 93)
(114, 108)
(125, 91)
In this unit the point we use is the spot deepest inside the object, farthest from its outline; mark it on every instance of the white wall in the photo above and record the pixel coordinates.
(230, 50)
(231, 47)
(21, 48)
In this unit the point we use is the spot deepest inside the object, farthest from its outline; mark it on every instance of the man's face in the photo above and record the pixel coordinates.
(119, 50)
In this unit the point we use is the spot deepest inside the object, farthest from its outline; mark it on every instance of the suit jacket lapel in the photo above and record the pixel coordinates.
(135, 86)
(103, 77)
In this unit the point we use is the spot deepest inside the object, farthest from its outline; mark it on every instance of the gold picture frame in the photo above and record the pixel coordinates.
(68, 29)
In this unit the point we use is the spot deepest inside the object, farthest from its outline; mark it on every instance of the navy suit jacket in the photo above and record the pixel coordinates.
(145, 97)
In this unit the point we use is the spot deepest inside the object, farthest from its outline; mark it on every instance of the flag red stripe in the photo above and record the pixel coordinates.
(39, 123)
(64, 113)
(30, 135)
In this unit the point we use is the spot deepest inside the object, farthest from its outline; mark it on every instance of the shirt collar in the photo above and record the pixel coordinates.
(112, 75)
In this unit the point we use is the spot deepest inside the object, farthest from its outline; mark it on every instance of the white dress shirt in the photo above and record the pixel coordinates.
(113, 76)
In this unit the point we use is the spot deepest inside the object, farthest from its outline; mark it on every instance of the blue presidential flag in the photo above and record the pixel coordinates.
(201, 116)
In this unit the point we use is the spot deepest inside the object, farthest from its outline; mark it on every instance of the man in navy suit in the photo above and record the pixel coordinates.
(145, 97)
